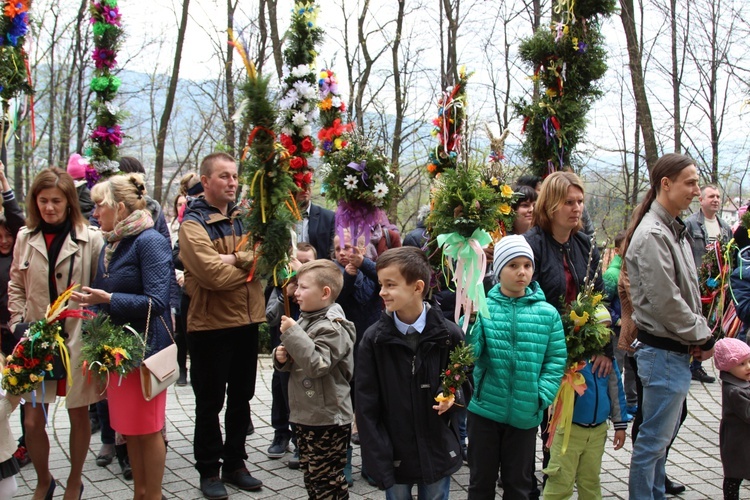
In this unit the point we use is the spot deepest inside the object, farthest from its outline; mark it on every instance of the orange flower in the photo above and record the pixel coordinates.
(431, 167)
(325, 104)
(13, 8)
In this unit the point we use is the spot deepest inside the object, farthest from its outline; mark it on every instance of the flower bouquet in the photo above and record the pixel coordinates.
(585, 336)
(331, 134)
(494, 175)
(33, 356)
(359, 179)
(465, 211)
(110, 349)
(457, 371)
(714, 283)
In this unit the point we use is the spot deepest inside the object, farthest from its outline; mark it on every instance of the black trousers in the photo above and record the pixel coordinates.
(493, 445)
(222, 362)
(279, 394)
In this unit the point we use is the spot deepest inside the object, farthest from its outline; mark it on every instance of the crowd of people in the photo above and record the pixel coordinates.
(361, 336)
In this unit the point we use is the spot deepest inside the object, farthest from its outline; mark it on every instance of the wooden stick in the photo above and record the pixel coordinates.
(287, 306)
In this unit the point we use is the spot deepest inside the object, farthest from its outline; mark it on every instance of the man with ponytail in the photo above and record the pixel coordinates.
(667, 313)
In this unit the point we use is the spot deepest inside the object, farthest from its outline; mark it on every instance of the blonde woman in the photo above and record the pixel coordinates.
(134, 276)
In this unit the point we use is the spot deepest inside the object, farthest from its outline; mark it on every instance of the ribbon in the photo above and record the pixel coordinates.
(360, 167)
(358, 217)
(261, 197)
(65, 357)
(562, 414)
(470, 264)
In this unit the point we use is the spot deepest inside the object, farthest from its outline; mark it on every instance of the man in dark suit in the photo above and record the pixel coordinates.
(317, 226)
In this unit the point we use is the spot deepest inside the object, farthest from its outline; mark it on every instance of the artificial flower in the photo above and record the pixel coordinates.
(350, 182)
(325, 104)
(111, 135)
(506, 191)
(307, 145)
(297, 162)
(12, 9)
(380, 190)
(104, 58)
(306, 130)
(301, 71)
(290, 100)
(505, 209)
(299, 119)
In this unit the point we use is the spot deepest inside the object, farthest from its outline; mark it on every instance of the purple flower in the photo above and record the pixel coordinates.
(582, 46)
(111, 15)
(104, 58)
(18, 28)
(111, 135)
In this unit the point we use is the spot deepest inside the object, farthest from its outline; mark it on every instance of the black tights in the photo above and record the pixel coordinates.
(732, 488)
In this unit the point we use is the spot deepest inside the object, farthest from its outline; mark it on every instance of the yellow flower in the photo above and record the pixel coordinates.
(551, 92)
(33, 377)
(337, 143)
(505, 209)
(13, 381)
(506, 191)
(17, 369)
(495, 181)
(596, 298)
(324, 74)
(579, 321)
(49, 367)
(575, 42)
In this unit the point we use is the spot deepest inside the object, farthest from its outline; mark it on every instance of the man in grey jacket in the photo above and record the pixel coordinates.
(706, 227)
(667, 312)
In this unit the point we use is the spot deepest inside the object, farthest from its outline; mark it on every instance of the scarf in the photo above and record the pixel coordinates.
(61, 232)
(132, 225)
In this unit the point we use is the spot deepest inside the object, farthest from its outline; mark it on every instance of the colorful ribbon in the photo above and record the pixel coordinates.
(562, 414)
(470, 263)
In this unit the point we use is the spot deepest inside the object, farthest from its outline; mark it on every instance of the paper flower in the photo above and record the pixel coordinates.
(299, 119)
(350, 182)
(104, 58)
(380, 190)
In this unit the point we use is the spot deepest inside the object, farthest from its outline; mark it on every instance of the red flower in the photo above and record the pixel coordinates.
(453, 390)
(297, 162)
(447, 372)
(307, 145)
(303, 180)
(288, 143)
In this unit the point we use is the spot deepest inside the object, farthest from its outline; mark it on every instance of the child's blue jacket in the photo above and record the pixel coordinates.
(604, 398)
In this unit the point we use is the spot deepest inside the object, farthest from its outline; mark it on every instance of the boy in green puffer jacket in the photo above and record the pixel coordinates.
(520, 357)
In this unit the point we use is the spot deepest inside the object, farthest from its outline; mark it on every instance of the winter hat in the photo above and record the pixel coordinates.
(507, 249)
(729, 353)
(77, 166)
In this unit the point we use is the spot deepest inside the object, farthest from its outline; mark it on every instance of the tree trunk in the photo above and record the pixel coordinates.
(230, 134)
(161, 137)
(276, 41)
(643, 111)
(398, 124)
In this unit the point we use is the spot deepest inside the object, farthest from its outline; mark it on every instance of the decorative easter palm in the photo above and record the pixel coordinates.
(106, 134)
(567, 60)
(15, 76)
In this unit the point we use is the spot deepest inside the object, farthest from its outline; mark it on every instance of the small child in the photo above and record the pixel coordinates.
(406, 438)
(732, 358)
(581, 464)
(520, 356)
(280, 380)
(318, 352)
(8, 465)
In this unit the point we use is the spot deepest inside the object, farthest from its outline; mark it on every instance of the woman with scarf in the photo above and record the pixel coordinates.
(56, 249)
(132, 286)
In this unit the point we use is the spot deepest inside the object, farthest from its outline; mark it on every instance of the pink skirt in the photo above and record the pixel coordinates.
(129, 413)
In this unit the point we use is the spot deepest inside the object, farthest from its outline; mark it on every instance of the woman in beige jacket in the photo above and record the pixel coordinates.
(56, 232)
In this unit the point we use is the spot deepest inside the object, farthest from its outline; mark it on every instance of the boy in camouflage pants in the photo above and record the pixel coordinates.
(317, 350)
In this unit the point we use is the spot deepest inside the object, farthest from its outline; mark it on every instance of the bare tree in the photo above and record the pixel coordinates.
(166, 114)
(643, 111)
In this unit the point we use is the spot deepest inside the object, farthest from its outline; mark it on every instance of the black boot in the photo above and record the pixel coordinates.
(121, 450)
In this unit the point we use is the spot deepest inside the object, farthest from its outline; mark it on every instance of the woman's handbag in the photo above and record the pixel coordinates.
(160, 370)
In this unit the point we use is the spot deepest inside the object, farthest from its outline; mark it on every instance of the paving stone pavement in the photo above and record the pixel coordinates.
(694, 459)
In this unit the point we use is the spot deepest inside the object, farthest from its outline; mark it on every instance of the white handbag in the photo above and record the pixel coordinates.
(160, 370)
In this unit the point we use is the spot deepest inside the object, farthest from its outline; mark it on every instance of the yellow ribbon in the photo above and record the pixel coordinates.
(262, 197)
(562, 415)
(65, 357)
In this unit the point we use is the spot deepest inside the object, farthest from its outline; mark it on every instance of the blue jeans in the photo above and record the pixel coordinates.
(665, 376)
(438, 490)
